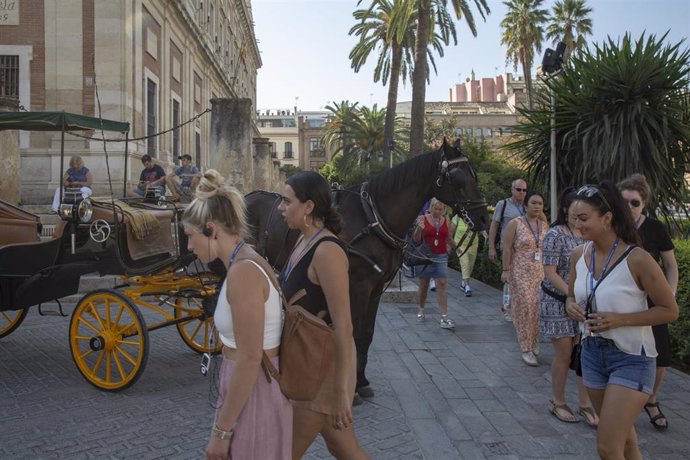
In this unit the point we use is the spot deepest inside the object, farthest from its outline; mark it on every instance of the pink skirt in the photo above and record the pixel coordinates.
(264, 427)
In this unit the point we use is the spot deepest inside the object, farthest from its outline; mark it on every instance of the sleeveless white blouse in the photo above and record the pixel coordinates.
(273, 316)
(617, 293)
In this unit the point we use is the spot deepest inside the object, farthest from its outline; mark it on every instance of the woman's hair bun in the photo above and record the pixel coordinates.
(209, 184)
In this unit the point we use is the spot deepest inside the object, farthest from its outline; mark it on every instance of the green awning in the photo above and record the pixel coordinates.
(57, 121)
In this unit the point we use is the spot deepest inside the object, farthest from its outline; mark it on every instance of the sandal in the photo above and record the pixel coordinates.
(420, 317)
(554, 408)
(657, 418)
(589, 415)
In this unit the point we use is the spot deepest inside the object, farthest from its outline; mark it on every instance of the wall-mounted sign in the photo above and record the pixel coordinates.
(9, 12)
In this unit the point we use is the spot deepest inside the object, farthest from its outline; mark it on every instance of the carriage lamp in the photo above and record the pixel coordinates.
(81, 210)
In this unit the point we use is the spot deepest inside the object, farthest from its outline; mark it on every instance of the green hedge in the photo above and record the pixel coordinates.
(680, 330)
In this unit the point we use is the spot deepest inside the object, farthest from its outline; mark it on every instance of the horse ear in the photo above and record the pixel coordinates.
(445, 143)
(456, 145)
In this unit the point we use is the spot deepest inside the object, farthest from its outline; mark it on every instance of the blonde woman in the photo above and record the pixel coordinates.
(77, 175)
(253, 419)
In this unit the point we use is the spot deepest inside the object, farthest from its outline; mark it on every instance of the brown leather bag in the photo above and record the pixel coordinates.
(307, 349)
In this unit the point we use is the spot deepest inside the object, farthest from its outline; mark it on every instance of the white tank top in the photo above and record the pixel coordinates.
(617, 293)
(273, 316)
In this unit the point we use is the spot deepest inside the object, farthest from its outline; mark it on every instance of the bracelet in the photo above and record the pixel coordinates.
(221, 434)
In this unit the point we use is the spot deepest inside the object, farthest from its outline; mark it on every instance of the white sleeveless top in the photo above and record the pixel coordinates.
(273, 316)
(617, 293)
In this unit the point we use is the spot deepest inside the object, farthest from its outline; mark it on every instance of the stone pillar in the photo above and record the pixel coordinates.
(263, 164)
(231, 141)
(10, 156)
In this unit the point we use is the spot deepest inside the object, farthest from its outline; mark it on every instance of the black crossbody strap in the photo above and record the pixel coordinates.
(588, 307)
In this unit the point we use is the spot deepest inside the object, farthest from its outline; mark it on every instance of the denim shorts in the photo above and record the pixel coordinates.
(603, 363)
(436, 269)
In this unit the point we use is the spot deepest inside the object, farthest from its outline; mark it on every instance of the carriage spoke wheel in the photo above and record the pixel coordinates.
(10, 320)
(196, 333)
(108, 340)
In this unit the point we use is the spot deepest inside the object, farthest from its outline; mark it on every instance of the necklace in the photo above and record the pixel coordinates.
(293, 260)
(437, 225)
(236, 251)
(537, 234)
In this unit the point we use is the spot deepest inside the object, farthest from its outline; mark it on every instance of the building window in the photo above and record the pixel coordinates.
(458, 132)
(488, 132)
(507, 131)
(479, 132)
(288, 150)
(151, 116)
(176, 129)
(468, 131)
(272, 149)
(314, 144)
(9, 76)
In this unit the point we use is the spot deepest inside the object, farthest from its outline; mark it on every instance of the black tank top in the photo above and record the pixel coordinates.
(315, 300)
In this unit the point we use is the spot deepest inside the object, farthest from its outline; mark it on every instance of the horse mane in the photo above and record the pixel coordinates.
(403, 174)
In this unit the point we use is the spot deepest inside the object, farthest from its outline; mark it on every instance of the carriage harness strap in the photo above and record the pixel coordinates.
(375, 223)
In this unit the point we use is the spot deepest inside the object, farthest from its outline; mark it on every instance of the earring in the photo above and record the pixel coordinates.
(305, 221)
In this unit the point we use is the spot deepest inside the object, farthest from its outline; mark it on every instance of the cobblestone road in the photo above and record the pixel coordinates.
(439, 395)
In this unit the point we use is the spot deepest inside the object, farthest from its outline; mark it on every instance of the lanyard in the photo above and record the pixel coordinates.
(538, 232)
(291, 261)
(606, 266)
(235, 252)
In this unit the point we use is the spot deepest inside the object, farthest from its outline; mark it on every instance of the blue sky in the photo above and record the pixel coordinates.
(305, 46)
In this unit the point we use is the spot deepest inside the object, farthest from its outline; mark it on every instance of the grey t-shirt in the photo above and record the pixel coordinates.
(512, 210)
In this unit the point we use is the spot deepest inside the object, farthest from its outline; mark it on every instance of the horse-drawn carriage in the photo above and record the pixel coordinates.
(140, 240)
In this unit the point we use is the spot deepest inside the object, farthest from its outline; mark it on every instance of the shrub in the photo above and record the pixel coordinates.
(680, 329)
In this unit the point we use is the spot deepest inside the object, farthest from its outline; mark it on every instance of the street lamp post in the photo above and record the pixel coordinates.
(552, 65)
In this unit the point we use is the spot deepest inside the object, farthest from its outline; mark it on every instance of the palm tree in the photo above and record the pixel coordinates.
(434, 15)
(376, 32)
(522, 34)
(570, 24)
(622, 108)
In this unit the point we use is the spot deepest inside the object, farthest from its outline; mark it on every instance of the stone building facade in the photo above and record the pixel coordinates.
(153, 63)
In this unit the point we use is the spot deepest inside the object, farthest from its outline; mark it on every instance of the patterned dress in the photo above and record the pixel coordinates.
(554, 323)
(526, 274)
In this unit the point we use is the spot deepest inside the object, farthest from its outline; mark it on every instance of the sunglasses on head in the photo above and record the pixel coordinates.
(520, 189)
(635, 203)
(588, 191)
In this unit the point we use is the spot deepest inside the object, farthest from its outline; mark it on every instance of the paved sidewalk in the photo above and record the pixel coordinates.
(440, 394)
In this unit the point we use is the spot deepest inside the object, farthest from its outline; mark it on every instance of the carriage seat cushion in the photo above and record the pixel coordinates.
(144, 235)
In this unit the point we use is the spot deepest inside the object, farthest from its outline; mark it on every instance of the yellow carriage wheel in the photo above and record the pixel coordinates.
(10, 320)
(196, 333)
(109, 340)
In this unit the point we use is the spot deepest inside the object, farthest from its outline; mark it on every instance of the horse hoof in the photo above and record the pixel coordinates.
(365, 392)
(356, 401)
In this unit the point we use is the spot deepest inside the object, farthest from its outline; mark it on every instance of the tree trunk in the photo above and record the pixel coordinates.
(419, 77)
(389, 128)
(528, 79)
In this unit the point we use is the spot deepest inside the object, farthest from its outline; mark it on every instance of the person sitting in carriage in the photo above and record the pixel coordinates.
(152, 176)
(77, 176)
(183, 181)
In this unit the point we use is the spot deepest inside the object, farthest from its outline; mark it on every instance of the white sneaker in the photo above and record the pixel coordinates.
(432, 284)
(530, 359)
(468, 291)
(447, 323)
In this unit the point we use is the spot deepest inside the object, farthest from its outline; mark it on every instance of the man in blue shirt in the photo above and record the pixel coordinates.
(183, 181)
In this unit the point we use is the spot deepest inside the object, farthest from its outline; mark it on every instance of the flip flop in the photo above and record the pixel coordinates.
(653, 420)
(589, 416)
(554, 408)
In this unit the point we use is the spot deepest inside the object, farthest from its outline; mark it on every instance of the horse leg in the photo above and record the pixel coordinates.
(363, 341)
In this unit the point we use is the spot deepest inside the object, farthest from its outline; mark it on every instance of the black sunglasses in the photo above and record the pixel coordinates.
(589, 191)
(635, 203)
(520, 189)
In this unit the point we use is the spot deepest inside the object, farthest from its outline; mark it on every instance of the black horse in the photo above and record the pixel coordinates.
(376, 216)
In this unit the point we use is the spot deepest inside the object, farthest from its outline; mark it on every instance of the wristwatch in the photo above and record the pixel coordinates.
(222, 434)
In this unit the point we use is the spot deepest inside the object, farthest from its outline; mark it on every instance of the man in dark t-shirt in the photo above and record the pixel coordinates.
(151, 176)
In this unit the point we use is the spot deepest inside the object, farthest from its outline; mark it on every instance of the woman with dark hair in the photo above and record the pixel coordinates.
(523, 270)
(253, 418)
(554, 323)
(656, 241)
(610, 280)
(319, 265)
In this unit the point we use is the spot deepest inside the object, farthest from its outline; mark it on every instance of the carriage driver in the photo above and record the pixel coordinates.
(183, 181)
